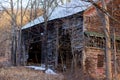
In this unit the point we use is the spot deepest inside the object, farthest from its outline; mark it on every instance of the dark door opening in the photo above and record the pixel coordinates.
(34, 54)
(65, 54)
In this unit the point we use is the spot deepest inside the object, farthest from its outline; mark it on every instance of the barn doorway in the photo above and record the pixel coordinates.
(65, 53)
(34, 54)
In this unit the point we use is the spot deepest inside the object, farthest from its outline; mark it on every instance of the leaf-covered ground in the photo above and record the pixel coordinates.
(22, 73)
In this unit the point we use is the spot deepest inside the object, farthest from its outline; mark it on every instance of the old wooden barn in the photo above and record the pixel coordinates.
(75, 39)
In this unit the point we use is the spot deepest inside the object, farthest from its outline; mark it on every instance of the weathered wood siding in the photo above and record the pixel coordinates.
(95, 40)
(92, 22)
(92, 58)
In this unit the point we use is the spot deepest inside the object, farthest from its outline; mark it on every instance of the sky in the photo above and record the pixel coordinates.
(6, 3)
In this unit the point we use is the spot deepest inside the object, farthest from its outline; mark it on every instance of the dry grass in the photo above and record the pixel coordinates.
(21, 73)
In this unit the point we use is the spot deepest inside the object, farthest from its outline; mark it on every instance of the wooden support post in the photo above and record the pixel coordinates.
(57, 45)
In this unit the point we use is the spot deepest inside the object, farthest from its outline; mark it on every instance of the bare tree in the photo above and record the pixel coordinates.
(15, 28)
(48, 8)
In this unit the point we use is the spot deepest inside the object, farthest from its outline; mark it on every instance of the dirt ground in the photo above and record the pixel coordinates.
(22, 73)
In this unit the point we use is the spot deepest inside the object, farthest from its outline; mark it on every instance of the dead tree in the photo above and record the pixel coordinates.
(106, 24)
(106, 27)
(48, 7)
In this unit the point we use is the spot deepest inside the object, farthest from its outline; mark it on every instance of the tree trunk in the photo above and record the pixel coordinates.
(114, 55)
(108, 44)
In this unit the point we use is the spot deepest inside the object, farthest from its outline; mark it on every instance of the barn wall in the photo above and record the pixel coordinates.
(92, 67)
(66, 38)
(114, 10)
(92, 22)
(93, 26)
(92, 58)
(71, 25)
